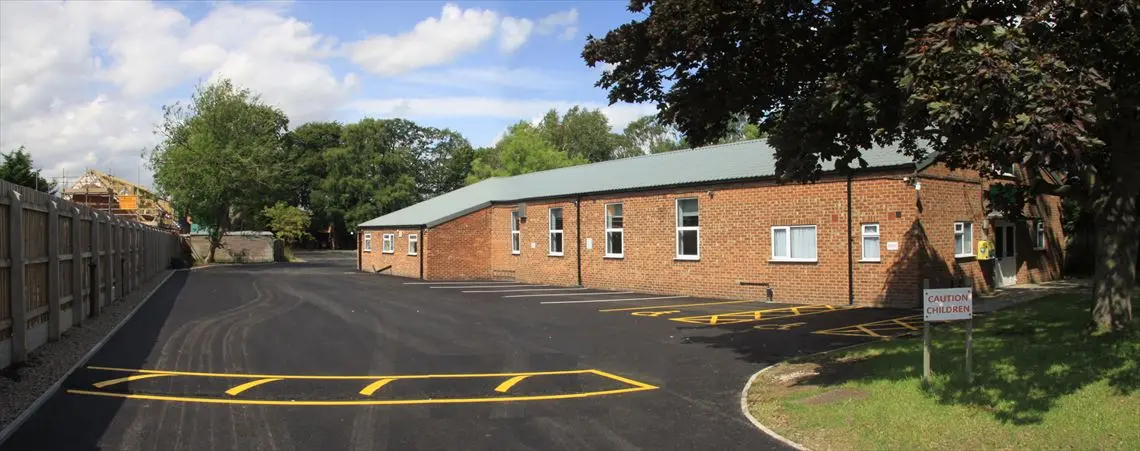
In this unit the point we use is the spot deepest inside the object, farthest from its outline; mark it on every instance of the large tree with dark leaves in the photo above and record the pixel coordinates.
(1051, 85)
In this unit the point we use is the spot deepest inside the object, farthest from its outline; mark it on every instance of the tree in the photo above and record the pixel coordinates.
(307, 146)
(19, 169)
(444, 160)
(645, 136)
(580, 133)
(1052, 85)
(522, 150)
(288, 223)
(218, 155)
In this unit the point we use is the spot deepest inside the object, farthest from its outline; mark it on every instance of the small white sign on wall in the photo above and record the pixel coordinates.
(892, 245)
(532, 244)
(589, 243)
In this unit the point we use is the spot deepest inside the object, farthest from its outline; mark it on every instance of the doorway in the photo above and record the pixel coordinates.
(1005, 253)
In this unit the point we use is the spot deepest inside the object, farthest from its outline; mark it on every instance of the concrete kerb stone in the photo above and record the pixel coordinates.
(47, 394)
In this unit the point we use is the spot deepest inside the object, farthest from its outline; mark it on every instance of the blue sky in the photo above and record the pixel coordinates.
(84, 82)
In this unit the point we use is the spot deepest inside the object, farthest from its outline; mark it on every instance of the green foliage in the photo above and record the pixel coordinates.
(219, 154)
(288, 223)
(581, 133)
(523, 150)
(1008, 199)
(19, 169)
(646, 135)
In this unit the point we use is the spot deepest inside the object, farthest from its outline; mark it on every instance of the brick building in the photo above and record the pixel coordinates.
(714, 222)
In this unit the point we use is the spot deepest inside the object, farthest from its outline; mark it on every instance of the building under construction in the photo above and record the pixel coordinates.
(121, 198)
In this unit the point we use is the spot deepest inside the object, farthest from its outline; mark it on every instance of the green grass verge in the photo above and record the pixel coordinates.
(1041, 382)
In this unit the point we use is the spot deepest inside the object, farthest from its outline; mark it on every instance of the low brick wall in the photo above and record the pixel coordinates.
(237, 247)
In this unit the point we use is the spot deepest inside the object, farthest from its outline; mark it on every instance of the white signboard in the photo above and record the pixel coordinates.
(892, 245)
(947, 304)
(589, 243)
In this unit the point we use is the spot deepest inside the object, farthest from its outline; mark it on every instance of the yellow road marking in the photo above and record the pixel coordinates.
(626, 309)
(375, 402)
(127, 379)
(371, 388)
(873, 329)
(248, 385)
(632, 382)
(752, 316)
(507, 384)
(788, 326)
(317, 377)
(654, 314)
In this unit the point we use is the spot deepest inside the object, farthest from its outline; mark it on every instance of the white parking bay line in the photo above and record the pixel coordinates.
(566, 294)
(524, 290)
(612, 300)
(456, 287)
(472, 282)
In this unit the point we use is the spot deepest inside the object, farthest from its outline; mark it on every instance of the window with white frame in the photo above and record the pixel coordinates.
(688, 229)
(870, 243)
(1039, 234)
(388, 246)
(963, 239)
(615, 231)
(554, 237)
(516, 244)
(367, 242)
(413, 244)
(794, 243)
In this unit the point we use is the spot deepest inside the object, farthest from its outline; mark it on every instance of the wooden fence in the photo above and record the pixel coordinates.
(61, 263)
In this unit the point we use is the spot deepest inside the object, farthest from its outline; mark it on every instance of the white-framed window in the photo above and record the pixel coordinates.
(963, 239)
(870, 243)
(413, 244)
(367, 242)
(688, 229)
(794, 243)
(516, 243)
(1039, 235)
(554, 237)
(615, 231)
(388, 246)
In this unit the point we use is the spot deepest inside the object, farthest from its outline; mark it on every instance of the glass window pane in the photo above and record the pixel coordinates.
(556, 242)
(616, 223)
(687, 242)
(614, 243)
(803, 242)
(687, 213)
(515, 242)
(871, 248)
(614, 210)
(780, 243)
(556, 219)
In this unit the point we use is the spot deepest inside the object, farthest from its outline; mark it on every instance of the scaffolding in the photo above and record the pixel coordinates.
(121, 198)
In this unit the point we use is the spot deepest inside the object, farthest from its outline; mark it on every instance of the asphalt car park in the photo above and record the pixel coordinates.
(314, 356)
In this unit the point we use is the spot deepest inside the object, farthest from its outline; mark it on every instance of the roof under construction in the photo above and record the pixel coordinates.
(121, 198)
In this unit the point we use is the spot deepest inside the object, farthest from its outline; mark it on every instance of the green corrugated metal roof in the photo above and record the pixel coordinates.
(734, 161)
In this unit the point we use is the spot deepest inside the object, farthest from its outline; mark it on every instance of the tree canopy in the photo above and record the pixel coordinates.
(18, 168)
(524, 149)
(288, 223)
(1051, 85)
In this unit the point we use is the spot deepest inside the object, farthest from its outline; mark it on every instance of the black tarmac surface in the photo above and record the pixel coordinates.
(314, 356)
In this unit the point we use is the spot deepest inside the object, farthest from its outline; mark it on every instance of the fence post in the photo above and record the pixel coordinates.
(129, 245)
(16, 273)
(53, 271)
(109, 265)
(96, 269)
(77, 272)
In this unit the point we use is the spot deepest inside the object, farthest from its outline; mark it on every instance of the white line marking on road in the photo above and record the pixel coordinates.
(473, 282)
(567, 294)
(612, 300)
(522, 290)
(457, 287)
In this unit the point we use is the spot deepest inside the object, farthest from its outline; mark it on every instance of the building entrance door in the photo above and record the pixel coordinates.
(1005, 254)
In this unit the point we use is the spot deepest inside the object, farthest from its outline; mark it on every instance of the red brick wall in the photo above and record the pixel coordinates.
(402, 264)
(459, 249)
(535, 264)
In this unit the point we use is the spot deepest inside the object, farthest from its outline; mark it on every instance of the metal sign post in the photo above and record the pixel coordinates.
(946, 304)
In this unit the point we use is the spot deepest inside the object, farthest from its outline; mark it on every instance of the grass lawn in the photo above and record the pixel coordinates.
(1040, 382)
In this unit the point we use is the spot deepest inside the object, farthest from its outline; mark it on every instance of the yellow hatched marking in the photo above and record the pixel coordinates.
(876, 329)
(127, 379)
(315, 377)
(507, 384)
(655, 314)
(758, 315)
(371, 388)
(248, 385)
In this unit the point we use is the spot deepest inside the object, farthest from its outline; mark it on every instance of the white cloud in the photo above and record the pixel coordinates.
(515, 32)
(619, 115)
(79, 79)
(567, 21)
(432, 41)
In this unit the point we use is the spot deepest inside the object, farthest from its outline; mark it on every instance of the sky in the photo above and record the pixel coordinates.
(82, 84)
